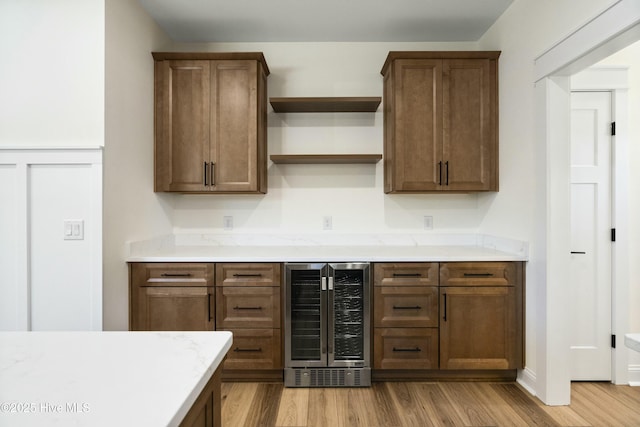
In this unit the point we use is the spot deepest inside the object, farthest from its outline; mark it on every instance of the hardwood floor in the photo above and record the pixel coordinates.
(421, 404)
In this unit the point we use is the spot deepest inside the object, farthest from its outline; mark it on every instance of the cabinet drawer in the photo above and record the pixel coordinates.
(478, 274)
(173, 309)
(172, 274)
(248, 307)
(406, 274)
(254, 349)
(405, 306)
(241, 274)
(405, 348)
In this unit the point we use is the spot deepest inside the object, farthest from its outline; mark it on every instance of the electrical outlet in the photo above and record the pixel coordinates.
(327, 222)
(227, 222)
(428, 222)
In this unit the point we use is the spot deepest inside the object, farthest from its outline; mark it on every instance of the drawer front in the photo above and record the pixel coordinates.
(406, 306)
(248, 307)
(479, 274)
(405, 274)
(248, 274)
(254, 349)
(174, 309)
(405, 348)
(172, 274)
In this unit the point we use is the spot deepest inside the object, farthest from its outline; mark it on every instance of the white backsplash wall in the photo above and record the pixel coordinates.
(300, 196)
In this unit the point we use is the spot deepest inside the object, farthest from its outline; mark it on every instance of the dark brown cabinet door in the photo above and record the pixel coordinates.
(171, 297)
(182, 142)
(234, 126)
(176, 309)
(469, 129)
(478, 328)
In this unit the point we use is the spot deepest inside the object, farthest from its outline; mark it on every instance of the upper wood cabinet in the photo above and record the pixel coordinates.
(210, 122)
(440, 122)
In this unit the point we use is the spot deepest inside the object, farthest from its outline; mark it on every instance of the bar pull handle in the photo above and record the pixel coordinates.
(440, 172)
(237, 307)
(209, 307)
(401, 307)
(478, 274)
(206, 176)
(445, 308)
(410, 349)
(323, 283)
(407, 275)
(212, 172)
(248, 275)
(254, 350)
(578, 253)
(331, 283)
(446, 164)
(176, 275)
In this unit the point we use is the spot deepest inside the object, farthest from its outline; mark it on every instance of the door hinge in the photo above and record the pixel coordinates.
(613, 234)
(613, 128)
(613, 341)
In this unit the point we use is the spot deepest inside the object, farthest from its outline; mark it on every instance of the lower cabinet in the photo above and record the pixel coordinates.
(466, 323)
(244, 298)
(171, 297)
(206, 411)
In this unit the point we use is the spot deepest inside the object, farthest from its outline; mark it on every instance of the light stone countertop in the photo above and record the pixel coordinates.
(632, 341)
(327, 248)
(105, 378)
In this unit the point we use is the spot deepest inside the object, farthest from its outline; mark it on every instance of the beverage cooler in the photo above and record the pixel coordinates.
(327, 325)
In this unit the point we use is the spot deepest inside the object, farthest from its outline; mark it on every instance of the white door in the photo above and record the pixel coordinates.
(590, 304)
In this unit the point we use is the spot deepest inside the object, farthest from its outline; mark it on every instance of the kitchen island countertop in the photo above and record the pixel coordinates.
(105, 378)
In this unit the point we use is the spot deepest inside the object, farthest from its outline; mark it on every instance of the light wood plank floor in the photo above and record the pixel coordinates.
(400, 404)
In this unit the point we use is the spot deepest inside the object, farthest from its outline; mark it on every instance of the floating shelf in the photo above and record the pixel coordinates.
(325, 158)
(326, 105)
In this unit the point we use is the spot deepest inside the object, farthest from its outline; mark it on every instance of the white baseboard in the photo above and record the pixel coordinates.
(527, 379)
(634, 375)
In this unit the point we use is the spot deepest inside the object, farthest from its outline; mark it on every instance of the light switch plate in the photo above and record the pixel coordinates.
(73, 229)
(227, 222)
(428, 222)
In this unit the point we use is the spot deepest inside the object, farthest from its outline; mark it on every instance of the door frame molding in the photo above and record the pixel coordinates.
(615, 28)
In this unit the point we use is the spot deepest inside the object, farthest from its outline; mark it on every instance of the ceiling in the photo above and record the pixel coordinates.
(325, 20)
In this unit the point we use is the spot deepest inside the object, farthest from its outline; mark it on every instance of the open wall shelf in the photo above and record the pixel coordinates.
(326, 104)
(325, 158)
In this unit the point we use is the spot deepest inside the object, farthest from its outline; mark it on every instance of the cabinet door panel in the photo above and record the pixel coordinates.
(255, 349)
(478, 328)
(405, 348)
(468, 143)
(175, 309)
(234, 121)
(181, 156)
(406, 306)
(418, 124)
(248, 307)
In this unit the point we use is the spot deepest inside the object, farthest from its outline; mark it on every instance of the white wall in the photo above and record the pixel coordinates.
(131, 210)
(52, 73)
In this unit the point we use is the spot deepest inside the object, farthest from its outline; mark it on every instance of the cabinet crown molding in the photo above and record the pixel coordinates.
(233, 56)
(438, 54)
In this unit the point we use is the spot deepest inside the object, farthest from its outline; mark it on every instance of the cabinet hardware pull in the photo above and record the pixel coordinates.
(238, 349)
(446, 164)
(440, 172)
(176, 275)
(213, 175)
(445, 308)
(247, 275)
(206, 182)
(209, 307)
(478, 274)
(416, 349)
(400, 307)
(579, 253)
(407, 275)
(237, 307)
